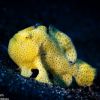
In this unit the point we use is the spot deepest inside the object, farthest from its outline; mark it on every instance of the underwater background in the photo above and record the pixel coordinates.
(80, 20)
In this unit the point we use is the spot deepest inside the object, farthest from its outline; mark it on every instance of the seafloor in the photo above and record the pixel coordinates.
(80, 20)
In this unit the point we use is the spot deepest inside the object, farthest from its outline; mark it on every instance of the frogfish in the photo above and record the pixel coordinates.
(51, 52)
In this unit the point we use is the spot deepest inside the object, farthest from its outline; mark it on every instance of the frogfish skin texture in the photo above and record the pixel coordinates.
(51, 53)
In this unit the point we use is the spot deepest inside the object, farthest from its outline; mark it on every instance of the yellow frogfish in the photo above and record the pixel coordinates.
(51, 53)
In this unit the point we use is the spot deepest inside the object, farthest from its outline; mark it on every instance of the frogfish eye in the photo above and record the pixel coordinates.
(29, 36)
